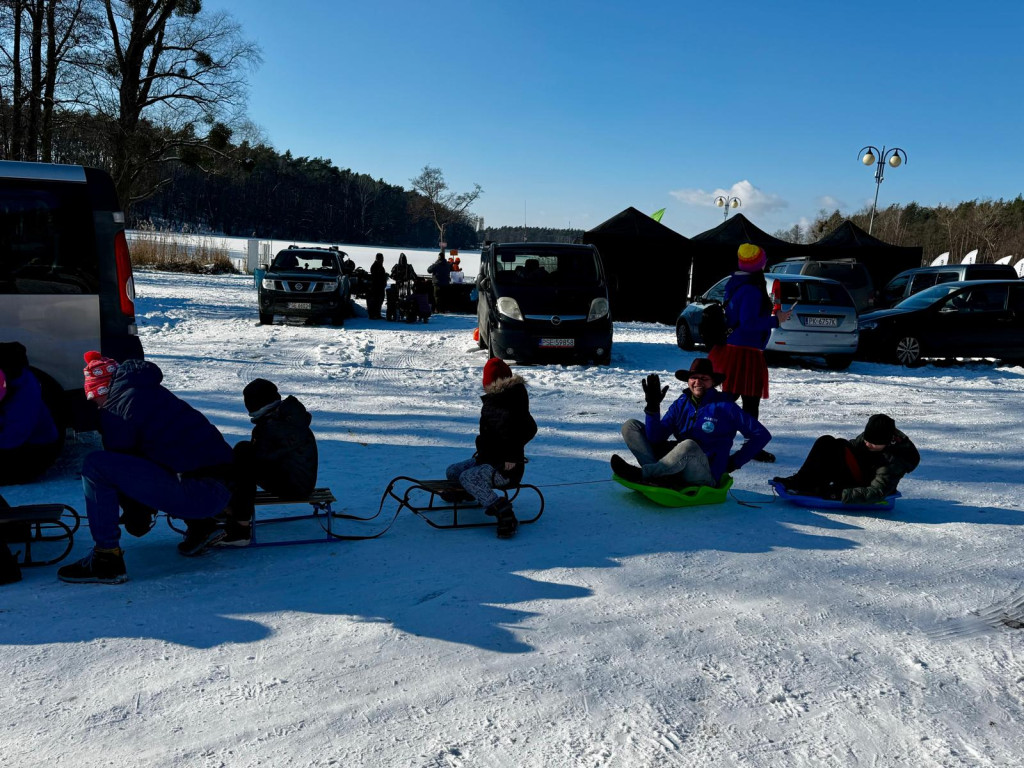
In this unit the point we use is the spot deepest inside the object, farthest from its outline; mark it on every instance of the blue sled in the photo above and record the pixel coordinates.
(819, 503)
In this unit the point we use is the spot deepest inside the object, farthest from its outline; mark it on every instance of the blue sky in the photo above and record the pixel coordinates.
(567, 112)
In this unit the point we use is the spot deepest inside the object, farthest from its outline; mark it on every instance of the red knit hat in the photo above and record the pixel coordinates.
(751, 258)
(495, 369)
(99, 370)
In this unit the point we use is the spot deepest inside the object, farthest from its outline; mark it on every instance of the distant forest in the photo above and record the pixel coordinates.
(994, 227)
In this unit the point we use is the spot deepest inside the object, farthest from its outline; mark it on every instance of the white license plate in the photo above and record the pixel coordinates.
(299, 305)
(557, 343)
(822, 322)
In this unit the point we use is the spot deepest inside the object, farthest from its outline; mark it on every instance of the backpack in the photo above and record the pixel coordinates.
(714, 326)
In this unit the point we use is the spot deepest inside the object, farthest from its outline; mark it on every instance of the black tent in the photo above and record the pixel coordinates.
(883, 260)
(714, 251)
(646, 264)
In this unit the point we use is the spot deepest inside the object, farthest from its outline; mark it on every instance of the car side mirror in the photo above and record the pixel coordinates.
(485, 283)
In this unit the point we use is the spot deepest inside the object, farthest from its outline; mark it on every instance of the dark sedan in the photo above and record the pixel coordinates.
(979, 318)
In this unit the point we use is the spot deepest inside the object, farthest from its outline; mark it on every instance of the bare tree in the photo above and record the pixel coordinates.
(439, 202)
(171, 81)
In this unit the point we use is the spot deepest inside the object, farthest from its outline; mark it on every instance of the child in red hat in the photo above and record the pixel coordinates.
(506, 426)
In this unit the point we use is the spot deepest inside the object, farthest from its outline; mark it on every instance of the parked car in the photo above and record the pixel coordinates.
(823, 324)
(854, 276)
(306, 282)
(66, 278)
(911, 281)
(544, 301)
(976, 318)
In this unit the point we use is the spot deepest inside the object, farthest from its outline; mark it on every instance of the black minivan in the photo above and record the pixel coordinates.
(544, 302)
(66, 278)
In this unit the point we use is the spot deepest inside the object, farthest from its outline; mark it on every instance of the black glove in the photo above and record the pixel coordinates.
(653, 391)
(730, 465)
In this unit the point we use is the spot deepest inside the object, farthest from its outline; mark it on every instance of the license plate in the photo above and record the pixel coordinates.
(299, 305)
(557, 343)
(822, 322)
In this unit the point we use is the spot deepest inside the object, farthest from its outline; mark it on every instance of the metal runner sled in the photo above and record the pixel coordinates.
(44, 532)
(427, 498)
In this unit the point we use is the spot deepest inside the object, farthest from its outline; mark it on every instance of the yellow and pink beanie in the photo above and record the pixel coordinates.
(752, 258)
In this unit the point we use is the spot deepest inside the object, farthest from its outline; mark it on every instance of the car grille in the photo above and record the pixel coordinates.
(302, 286)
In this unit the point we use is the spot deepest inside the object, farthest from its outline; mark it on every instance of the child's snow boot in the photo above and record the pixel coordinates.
(507, 523)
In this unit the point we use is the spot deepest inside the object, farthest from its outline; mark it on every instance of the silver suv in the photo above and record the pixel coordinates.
(65, 276)
(823, 324)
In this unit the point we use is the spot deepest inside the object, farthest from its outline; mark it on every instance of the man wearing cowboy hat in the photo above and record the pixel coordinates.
(704, 423)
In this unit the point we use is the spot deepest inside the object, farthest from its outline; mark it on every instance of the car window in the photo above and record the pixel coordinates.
(922, 281)
(896, 287)
(946, 277)
(47, 239)
(984, 298)
(927, 297)
(717, 291)
(306, 262)
(850, 275)
(546, 267)
(788, 268)
(1017, 298)
(813, 293)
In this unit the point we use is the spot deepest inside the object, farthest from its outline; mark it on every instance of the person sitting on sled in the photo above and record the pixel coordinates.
(158, 453)
(702, 420)
(281, 457)
(506, 426)
(862, 471)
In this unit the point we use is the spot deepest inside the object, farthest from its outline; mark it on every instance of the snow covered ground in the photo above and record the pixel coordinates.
(609, 633)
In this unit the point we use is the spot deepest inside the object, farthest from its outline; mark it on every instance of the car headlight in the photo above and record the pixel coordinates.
(509, 307)
(267, 283)
(598, 309)
(867, 325)
(329, 285)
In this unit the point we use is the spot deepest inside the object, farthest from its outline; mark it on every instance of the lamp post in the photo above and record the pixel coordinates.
(869, 155)
(727, 202)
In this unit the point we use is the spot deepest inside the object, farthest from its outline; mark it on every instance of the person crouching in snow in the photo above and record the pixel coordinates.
(158, 453)
(506, 426)
(862, 471)
(280, 458)
(703, 421)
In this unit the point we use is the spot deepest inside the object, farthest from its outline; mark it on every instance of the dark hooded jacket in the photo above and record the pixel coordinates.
(403, 272)
(506, 426)
(142, 418)
(284, 448)
(378, 278)
(882, 470)
(441, 270)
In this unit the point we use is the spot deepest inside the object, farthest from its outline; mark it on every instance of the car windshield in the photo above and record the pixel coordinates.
(928, 296)
(297, 261)
(811, 293)
(546, 268)
(850, 275)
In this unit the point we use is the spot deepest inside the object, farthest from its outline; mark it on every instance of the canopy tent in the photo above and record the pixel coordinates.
(714, 251)
(883, 260)
(646, 264)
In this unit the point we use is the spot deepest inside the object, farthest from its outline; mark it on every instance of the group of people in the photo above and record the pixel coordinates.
(691, 445)
(444, 272)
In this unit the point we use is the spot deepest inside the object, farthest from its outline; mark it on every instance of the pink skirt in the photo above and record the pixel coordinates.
(746, 372)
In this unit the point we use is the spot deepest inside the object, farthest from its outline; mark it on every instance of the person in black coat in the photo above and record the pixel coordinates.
(441, 271)
(281, 457)
(378, 284)
(159, 453)
(506, 426)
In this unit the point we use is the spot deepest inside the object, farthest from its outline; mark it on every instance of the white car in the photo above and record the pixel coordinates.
(823, 324)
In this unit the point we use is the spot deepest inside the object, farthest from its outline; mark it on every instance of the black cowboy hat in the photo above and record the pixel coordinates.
(702, 367)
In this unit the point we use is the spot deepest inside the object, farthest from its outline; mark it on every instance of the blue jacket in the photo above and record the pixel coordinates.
(24, 417)
(713, 424)
(142, 418)
(748, 311)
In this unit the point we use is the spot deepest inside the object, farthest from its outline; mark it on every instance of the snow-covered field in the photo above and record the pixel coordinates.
(609, 633)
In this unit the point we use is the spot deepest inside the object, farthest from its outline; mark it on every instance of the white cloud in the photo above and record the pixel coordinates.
(752, 200)
(830, 203)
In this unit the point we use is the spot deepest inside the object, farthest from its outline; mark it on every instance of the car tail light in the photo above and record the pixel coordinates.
(125, 281)
(776, 296)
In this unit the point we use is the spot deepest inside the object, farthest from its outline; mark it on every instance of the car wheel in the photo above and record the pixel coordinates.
(908, 351)
(838, 362)
(684, 339)
(266, 319)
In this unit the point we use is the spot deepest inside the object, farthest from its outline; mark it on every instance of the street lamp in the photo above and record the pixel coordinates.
(869, 155)
(727, 202)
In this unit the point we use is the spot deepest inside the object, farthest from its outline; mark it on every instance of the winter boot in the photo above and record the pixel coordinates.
(625, 470)
(507, 523)
(201, 534)
(236, 534)
(101, 566)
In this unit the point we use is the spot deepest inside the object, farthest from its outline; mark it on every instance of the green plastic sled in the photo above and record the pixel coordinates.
(693, 496)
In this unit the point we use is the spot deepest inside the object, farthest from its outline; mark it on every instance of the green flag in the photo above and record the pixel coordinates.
(658, 214)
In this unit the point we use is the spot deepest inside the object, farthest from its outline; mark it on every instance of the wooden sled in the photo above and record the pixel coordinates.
(320, 500)
(39, 534)
(440, 502)
(819, 503)
(693, 496)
